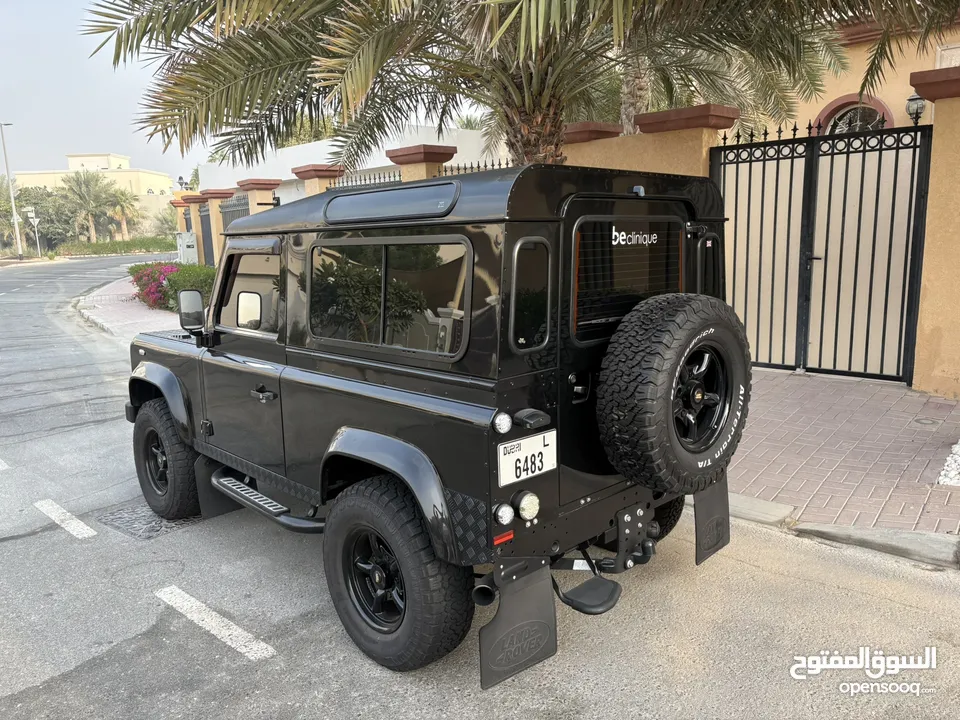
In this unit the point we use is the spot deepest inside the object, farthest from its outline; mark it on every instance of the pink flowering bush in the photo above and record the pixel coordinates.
(151, 281)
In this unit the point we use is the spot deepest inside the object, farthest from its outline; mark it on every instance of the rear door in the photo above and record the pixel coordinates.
(617, 253)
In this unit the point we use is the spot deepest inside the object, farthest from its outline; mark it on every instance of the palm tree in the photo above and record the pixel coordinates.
(124, 208)
(249, 71)
(90, 194)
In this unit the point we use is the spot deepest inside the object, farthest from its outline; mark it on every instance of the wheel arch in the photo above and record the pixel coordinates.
(150, 381)
(356, 454)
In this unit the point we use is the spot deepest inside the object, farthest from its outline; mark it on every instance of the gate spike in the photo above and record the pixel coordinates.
(809, 128)
(751, 134)
(779, 132)
(724, 137)
(737, 136)
(883, 121)
(795, 129)
(764, 133)
(819, 127)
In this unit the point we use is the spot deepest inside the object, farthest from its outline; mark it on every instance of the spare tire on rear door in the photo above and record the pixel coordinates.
(673, 392)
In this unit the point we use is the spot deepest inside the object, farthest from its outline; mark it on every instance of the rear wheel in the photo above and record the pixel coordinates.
(399, 603)
(164, 463)
(673, 392)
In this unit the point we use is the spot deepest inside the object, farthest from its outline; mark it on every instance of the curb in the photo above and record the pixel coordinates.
(87, 257)
(93, 320)
(765, 512)
(939, 549)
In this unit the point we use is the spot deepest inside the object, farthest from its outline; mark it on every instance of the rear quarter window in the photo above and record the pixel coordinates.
(618, 262)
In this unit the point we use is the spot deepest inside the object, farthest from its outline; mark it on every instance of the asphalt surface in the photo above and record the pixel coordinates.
(83, 634)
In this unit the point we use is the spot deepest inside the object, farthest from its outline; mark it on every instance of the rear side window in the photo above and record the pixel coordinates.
(408, 295)
(619, 261)
(258, 275)
(530, 310)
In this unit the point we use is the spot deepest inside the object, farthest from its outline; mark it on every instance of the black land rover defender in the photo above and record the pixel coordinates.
(459, 381)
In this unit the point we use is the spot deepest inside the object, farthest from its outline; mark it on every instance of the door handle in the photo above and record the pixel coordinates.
(262, 394)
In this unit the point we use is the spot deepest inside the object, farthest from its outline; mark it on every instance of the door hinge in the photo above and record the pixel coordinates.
(206, 428)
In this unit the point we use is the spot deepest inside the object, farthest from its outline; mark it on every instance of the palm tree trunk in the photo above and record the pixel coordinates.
(635, 98)
(92, 228)
(123, 228)
(535, 137)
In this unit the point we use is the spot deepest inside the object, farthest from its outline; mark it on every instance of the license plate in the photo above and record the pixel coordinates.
(529, 456)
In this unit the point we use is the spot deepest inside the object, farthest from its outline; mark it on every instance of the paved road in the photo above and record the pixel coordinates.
(83, 633)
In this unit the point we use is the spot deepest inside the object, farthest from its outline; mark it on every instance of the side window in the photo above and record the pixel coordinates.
(252, 275)
(405, 295)
(530, 310)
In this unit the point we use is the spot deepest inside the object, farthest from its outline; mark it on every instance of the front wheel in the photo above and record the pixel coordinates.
(401, 605)
(164, 463)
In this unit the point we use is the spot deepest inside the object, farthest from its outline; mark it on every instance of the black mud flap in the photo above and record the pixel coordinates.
(212, 502)
(711, 516)
(524, 630)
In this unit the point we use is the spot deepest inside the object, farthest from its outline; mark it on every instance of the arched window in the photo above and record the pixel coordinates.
(852, 113)
(855, 119)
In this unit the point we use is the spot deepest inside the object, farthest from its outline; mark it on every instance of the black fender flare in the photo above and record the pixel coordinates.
(163, 379)
(413, 467)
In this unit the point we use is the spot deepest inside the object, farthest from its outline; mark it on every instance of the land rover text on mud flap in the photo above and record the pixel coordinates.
(459, 381)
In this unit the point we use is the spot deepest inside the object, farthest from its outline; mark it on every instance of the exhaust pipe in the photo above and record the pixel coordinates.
(484, 590)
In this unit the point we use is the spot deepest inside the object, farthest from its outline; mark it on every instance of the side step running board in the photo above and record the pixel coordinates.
(593, 597)
(248, 497)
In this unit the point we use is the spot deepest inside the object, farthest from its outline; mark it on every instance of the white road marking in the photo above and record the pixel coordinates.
(31, 285)
(3, 465)
(215, 624)
(15, 289)
(68, 522)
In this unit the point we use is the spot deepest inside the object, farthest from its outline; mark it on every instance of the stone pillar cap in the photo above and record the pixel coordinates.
(178, 203)
(938, 84)
(585, 131)
(421, 154)
(259, 184)
(312, 172)
(218, 194)
(717, 117)
(193, 199)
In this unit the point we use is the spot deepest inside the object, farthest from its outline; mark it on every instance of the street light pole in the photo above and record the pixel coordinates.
(13, 202)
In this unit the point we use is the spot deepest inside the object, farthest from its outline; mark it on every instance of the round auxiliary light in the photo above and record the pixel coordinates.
(504, 514)
(502, 423)
(528, 505)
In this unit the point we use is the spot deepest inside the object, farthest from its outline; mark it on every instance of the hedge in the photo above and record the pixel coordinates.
(158, 284)
(118, 247)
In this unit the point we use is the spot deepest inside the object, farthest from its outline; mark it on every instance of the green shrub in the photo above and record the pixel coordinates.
(191, 277)
(159, 284)
(51, 255)
(118, 247)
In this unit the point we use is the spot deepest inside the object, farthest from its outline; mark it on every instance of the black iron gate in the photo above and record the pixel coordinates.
(206, 237)
(825, 245)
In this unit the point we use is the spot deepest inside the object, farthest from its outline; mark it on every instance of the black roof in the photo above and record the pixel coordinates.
(530, 192)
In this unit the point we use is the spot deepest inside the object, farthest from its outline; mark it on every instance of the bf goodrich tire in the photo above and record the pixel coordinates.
(164, 463)
(673, 392)
(376, 544)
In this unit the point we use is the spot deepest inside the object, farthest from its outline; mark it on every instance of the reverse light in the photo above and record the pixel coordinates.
(504, 514)
(502, 423)
(528, 505)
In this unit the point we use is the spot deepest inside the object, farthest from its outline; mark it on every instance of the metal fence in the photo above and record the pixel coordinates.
(473, 167)
(824, 245)
(235, 207)
(360, 180)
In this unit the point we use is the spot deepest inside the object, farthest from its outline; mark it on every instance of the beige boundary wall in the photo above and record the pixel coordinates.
(937, 366)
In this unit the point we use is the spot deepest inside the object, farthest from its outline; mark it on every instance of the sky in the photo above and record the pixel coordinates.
(62, 101)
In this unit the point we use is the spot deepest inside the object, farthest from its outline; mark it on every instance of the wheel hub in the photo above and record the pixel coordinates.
(701, 398)
(374, 578)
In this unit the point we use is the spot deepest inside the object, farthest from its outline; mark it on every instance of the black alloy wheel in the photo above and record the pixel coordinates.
(374, 580)
(701, 397)
(155, 461)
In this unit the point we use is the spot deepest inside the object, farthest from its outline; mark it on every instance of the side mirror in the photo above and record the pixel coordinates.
(248, 310)
(191, 311)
